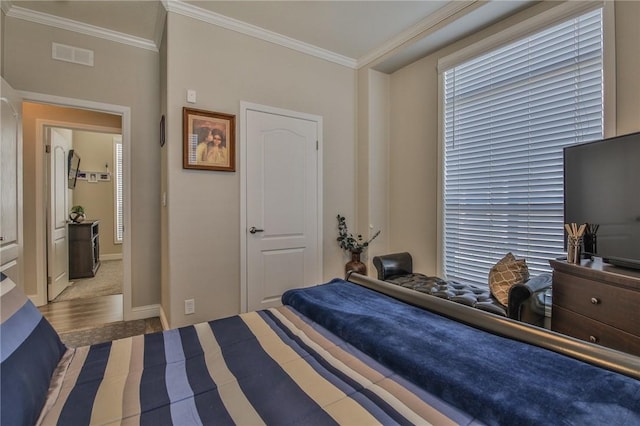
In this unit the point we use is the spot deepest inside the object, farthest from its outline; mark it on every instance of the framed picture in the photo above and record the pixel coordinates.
(92, 177)
(209, 140)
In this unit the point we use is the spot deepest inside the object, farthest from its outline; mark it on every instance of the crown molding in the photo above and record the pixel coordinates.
(161, 18)
(5, 5)
(191, 11)
(185, 9)
(80, 27)
(418, 30)
(557, 13)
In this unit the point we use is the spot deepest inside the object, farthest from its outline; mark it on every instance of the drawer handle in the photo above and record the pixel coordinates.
(593, 339)
(595, 300)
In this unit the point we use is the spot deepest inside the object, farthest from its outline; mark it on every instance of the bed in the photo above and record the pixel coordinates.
(336, 353)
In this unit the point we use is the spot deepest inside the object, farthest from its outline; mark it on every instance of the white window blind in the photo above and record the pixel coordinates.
(507, 116)
(119, 211)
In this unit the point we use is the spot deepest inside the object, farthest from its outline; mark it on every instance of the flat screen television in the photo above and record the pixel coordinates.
(73, 167)
(602, 188)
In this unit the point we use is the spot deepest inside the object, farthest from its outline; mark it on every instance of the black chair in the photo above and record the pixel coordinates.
(526, 300)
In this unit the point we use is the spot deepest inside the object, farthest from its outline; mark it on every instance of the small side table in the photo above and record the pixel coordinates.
(84, 249)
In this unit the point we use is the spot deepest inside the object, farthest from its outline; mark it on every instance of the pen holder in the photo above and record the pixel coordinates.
(574, 249)
(590, 244)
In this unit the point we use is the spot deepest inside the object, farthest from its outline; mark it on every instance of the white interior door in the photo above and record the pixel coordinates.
(11, 184)
(283, 245)
(60, 142)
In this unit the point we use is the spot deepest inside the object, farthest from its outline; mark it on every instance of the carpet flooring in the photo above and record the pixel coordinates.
(108, 281)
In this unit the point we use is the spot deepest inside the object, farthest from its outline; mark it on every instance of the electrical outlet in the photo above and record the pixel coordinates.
(189, 306)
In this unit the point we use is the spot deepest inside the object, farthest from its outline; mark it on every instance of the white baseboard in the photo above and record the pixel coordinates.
(143, 312)
(37, 299)
(163, 319)
(114, 256)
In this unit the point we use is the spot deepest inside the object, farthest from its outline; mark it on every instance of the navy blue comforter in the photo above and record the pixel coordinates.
(495, 379)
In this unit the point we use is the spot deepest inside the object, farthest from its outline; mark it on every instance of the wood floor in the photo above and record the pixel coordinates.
(82, 314)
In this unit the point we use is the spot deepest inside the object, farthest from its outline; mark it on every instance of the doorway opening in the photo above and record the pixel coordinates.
(95, 236)
(99, 296)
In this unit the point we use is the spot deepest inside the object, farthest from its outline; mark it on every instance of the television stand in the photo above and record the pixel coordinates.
(597, 302)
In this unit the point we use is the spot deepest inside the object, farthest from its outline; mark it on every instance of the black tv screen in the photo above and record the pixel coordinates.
(602, 188)
(73, 167)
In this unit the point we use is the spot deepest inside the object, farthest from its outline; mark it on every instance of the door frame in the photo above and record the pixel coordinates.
(41, 139)
(125, 113)
(244, 108)
(12, 98)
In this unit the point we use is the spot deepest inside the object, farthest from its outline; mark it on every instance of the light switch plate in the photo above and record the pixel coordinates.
(191, 96)
(189, 306)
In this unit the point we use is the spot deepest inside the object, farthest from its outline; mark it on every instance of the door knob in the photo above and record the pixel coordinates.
(253, 230)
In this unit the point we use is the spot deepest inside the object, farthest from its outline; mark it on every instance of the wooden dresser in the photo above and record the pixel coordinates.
(598, 303)
(84, 249)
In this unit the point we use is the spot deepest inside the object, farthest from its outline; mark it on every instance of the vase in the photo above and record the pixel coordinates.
(77, 217)
(355, 265)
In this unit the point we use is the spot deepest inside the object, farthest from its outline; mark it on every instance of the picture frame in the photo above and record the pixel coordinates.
(209, 140)
(92, 177)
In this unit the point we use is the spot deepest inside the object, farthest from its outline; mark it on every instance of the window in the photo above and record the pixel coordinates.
(506, 117)
(119, 198)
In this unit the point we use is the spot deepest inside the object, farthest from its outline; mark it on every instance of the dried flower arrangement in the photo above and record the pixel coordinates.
(348, 242)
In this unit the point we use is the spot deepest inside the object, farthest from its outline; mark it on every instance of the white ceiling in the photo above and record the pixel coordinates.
(358, 32)
(349, 28)
(135, 18)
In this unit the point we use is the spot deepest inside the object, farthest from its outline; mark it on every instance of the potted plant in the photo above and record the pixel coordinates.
(77, 214)
(353, 244)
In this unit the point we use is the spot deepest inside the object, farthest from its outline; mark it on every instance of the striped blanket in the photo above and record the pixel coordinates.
(267, 367)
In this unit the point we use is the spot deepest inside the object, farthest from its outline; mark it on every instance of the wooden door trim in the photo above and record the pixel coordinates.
(245, 107)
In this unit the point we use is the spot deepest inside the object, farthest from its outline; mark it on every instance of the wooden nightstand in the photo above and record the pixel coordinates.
(598, 303)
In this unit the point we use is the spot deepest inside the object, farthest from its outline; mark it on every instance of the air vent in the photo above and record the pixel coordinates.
(76, 55)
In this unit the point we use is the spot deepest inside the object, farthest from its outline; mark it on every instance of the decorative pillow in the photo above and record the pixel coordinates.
(508, 272)
(30, 350)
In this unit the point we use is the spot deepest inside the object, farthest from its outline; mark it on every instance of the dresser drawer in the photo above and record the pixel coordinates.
(578, 326)
(608, 304)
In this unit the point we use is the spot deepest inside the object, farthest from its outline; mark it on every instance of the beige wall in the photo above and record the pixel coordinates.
(97, 198)
(413, 165)
(627, 67)
(203, 214)
(372, 159)
(124, 76)
(2, 18)
(165, 294)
